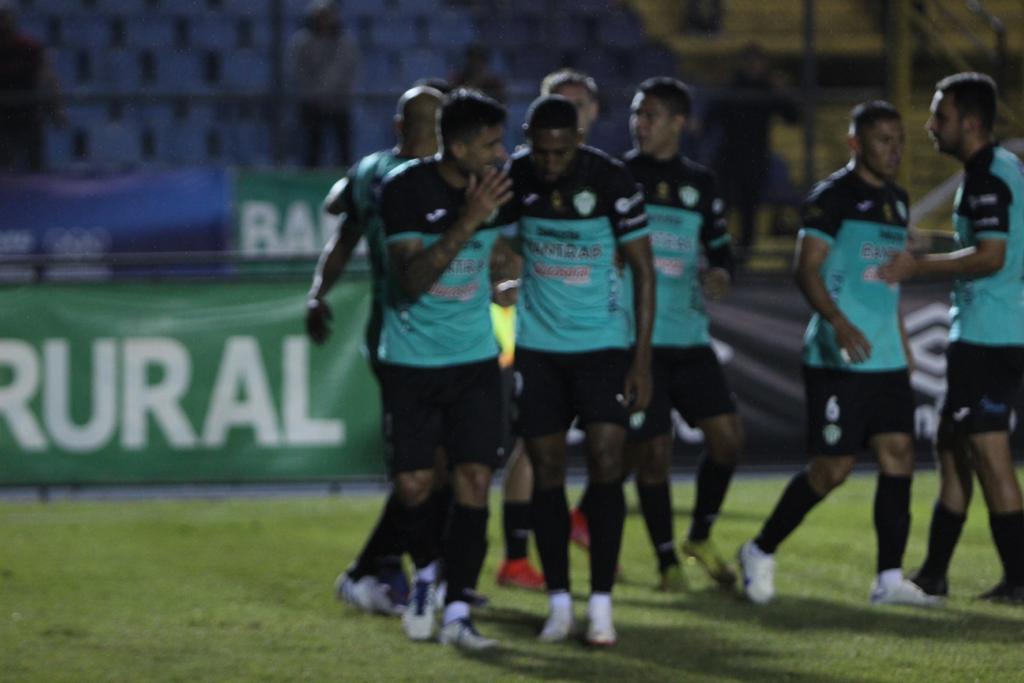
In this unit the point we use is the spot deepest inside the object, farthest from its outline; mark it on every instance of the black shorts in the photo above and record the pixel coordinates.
(982, 384)
(687, 379)
(556, 387)
(845, 409)
(457, 407)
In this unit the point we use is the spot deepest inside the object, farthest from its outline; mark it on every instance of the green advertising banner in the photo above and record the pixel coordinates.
(182, 382)
(278, 213)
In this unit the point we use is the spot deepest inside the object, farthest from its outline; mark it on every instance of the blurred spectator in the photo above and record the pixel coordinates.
(322, 65)
(476, 73)
(28, 95)
(703, 16)
(744, 114)
(578, 88)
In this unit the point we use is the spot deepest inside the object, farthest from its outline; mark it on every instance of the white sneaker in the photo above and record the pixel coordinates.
(906, 592)
(366, 593)
(462, 634)
(758, 568)
(418, 619)
(600, 630)
(559, 626)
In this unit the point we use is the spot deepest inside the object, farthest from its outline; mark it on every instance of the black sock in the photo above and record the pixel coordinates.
(384, 540)
(417, 531)
(1008, 533)
(656, 505)
(443, 499)
(796, 501)
(942, 538)
(584, 504)
(606, 519)
(712, 483)
(516, 522)
(465, 549)
(550, 515)
(892, 520)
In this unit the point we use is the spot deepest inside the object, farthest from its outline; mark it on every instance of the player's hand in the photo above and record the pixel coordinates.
(486, 193)
(853, 345)
(716, 282)
(318, 315)
(899, 268)
(636, 390)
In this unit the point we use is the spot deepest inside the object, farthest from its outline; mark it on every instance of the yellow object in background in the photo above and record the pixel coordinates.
(503, 318)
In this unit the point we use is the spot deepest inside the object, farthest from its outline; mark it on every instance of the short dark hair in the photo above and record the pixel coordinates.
(552, 112)
(867, 114)
(671, 91)
(556, 79)
(466, 112)
(973, 93)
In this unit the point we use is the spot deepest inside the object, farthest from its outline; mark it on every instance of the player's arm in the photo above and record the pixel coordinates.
(638, 256)
(811, 252)
(986, 201)
(506, 271)
(419, 267)
(908, 350)
(714, 236)
(333, 260)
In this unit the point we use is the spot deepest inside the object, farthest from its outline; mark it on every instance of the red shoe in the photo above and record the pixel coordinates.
(520, 574)
(579, 532)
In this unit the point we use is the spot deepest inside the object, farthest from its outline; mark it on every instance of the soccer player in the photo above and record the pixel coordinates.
(440, 380)
(575, 206)
(354, 199)
(854, 358)
(985, 358)
(517, 486)
(686, 212)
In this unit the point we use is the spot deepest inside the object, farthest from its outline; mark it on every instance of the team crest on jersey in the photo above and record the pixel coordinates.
(662, 190)
(585, 201)
(689, 195)
(556, 201)
(901, 209)
(887, 212)
(832, 434)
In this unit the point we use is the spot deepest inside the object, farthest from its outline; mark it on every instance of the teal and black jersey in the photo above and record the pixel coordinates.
(864, 227)
(989, 205)
(361, 206)
(571, 297)
(450, 324)
(685, 212)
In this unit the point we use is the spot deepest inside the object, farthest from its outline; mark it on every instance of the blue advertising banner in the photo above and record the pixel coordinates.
(142, 211)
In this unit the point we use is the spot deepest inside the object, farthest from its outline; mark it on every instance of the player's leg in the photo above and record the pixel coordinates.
(835, 433)
(544, 416)
(651, 460)
(472, 442)
(723, 438)
(517, 487)
(998, 478)
(895, 454)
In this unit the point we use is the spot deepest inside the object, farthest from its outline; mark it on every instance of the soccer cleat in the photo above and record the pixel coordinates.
(395, 586)
(673, 580)
(520, 574)
(906, 592)
(1006, 592)
(579, 531)
(462, 634)
(600, 631)
(365, 593)
(418, 618)
(559, 626)
(932, 585)
(758, 569)
(707, 556)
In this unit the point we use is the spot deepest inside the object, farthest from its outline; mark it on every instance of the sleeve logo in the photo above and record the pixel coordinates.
(585, 201)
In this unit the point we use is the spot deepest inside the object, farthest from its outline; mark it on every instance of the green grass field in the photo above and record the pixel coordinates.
(242, 590)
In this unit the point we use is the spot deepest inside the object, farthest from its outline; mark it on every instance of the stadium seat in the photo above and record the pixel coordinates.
(215, 33)
(84, 31)
(247, 70)
(422, 63)
(145, 31)
(118, 69)
(371, 125)
(450, 27)
(380, 69)
(620, 29)
(393, 32)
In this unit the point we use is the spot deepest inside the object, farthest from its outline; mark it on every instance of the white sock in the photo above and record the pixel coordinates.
(757, 550)
(454, 611)
(428, 573)
(600, 601)
(560, 600)
(890, 577)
